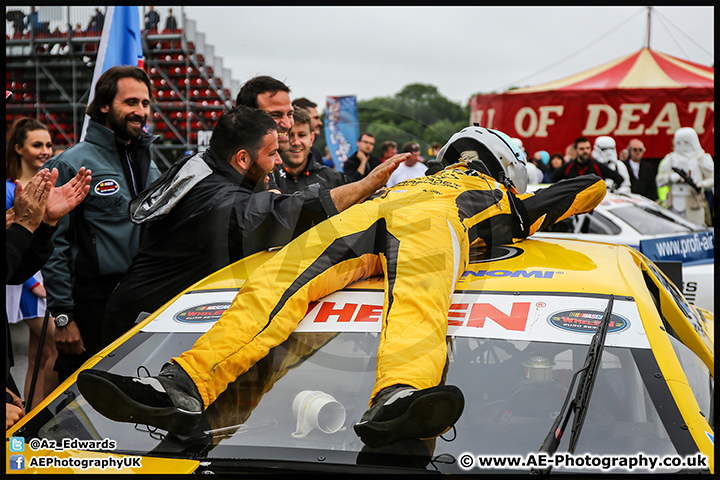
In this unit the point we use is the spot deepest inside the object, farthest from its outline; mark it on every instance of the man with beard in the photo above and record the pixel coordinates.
(96, 242)
(584, 164)
(300, 167)
(214, 208)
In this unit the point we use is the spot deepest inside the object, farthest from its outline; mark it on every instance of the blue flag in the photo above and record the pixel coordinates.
(120, 44)
(341, 128)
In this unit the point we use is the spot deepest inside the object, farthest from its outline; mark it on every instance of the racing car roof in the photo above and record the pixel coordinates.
(539, 288)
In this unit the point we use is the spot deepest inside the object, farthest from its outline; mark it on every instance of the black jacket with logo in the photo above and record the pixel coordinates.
(199, 216)
(314, 172)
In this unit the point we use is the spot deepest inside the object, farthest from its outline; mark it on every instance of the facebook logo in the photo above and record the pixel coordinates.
(17, 444)
(17, 462)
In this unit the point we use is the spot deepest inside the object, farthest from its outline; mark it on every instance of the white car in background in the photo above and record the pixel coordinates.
(658, 233)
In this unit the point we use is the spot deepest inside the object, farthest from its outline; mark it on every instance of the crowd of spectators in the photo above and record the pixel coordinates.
(26, 25)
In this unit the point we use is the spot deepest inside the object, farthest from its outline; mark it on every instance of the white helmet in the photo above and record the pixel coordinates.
(604, 150)
(490, 152)
(686, 142)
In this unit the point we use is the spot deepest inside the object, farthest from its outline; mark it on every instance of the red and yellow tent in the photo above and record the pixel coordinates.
(646, 95)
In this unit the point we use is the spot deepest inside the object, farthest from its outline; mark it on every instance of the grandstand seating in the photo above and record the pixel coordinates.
(189, 96)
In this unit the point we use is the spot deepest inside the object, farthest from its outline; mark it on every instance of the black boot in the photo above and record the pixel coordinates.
(169, 401)
(402, 412)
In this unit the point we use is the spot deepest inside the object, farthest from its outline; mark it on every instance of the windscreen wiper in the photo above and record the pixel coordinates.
(581, 401)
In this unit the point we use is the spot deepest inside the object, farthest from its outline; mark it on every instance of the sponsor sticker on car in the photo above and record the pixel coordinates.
(532, 316)
(683, 248)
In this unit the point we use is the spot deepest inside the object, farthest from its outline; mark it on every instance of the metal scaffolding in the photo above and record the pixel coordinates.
(50, 62)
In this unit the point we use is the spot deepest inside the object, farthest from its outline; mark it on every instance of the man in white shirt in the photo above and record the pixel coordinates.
(411, 168)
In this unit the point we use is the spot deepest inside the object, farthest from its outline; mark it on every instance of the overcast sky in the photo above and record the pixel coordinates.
(376, 51)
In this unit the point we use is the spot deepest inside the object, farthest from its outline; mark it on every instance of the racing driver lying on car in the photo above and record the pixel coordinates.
(418, 235)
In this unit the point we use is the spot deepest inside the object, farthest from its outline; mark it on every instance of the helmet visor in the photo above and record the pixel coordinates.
(519, 154)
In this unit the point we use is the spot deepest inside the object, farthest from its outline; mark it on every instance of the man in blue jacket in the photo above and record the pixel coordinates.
(95, 244)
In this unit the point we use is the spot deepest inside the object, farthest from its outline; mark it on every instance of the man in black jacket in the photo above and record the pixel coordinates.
(316, 122)
(300, 167)
(362, 162)
(642, 172)
(584, 164)
(212, 209)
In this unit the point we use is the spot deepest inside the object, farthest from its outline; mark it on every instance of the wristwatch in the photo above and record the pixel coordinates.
(62, 320)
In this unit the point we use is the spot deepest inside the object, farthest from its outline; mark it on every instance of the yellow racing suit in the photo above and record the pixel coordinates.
(417, 234)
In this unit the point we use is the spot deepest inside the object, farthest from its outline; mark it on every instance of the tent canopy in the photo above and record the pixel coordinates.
(643, 69)
(646, 95)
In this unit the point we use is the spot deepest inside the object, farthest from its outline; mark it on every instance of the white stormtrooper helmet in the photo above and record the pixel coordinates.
(686, 143)
(604, 150)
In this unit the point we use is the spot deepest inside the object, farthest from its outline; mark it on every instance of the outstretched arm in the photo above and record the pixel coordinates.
(561, 200)
(349, 194)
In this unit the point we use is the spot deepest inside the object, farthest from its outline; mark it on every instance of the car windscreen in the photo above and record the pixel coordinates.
(651, 220)
(300, 402)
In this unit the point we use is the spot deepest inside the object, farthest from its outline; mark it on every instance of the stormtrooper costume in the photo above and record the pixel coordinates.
(534, 174)
(604, 152)
(688, 156)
